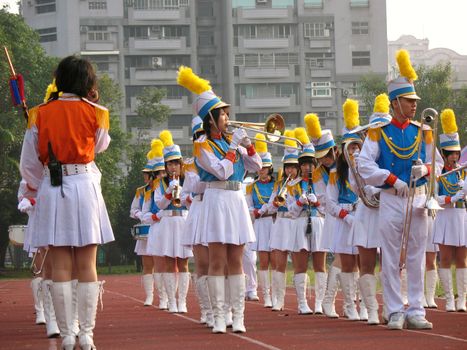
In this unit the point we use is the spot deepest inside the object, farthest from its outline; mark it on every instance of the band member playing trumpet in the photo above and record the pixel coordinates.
(222, 162)
(386, 161)
(449, 228)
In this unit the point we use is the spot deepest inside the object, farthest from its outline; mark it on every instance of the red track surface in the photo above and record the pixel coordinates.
(126, 324)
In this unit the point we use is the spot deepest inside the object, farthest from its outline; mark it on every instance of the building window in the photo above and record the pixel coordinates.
(47, 34)
(206, 39)
(319, 89)
(45, 6)
(359, 28)
(159, 4)
(359, 3)
(98, 5)
(360, 58)
(318, 59)
(266, 60)
(316, 30)
(313, 3)
(98, 33)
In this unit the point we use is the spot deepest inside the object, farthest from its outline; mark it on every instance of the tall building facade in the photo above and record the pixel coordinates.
(290, 57)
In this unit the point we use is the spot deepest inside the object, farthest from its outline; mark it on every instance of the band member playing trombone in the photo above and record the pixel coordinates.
(386, 161)
(449, 228)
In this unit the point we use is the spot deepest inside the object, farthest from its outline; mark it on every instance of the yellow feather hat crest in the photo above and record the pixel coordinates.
(351, 116)
(51, 88)
(287, 142)
(313, 126)
(166, 138)
(448, 121)
(156, 148)
(381, 104)
(301, 135)
(405, 66)
(191, 81)
(261, 146)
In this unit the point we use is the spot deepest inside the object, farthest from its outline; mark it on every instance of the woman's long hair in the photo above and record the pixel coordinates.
(75, 75)
(342, 169)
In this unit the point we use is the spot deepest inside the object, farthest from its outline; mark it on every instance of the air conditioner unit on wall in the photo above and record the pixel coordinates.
(261, 1)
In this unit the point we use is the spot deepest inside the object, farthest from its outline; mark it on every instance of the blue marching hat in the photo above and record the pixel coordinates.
(403, 86)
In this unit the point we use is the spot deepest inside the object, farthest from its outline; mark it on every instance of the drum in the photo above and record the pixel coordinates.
(140, 231)
(16, 234)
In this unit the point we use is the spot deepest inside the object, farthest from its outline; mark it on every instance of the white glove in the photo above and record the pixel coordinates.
(263, 210)
(237, 138)
(419, 171)
(460, 195)
(312, 198)
(303, 199)
(402, 190)
(370, 191)
(246, 142)
(139, 215)
(25, 205)
(349, 219)
(172, 184)
(356, 154)
(460, 183)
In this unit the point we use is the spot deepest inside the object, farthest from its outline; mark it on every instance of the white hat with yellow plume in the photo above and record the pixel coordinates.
(262, 149)
(322, 139)
(449, 139)
(171, 150)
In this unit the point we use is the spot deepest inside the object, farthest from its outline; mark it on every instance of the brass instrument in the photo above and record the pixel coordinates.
(455, 170)
(176, 201)
(431, 203)
(280, 197)
(33, 267)
(370, 202)
(273, 128)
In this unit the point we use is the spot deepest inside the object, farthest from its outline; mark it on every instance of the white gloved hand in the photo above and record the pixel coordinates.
(312, 198)
(25, 205)
(418, 171)
(349, 219)
(172, 184)
(237, 138)
(139, 215)
(246, 142)
(460, 183)
(356, 154)
(370, 191)
(303, 199)
(402, 190)
(460, 195)
(263, 210)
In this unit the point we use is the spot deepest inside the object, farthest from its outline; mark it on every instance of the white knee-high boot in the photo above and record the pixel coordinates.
(367, 284)
(183, 285)
(51, 325)
(62, 296)
(329, 307)
(461, 279)
(445, 277)
(273, 288)
(204, 301)
(38, 300)
(170, 284)
(363, 312)
(227, 305)
(430, 288)
(280, 290)
(320, 288)
(237, 301)
(161, 293)
(74, 284)
(88, 297)
(265, 284)
(347, 282)
(300, 282)
(217, 294)
(148, 285)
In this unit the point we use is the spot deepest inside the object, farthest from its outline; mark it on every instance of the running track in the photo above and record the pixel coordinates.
(125, 324)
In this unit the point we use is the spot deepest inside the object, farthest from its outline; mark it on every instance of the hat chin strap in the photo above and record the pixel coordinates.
(400, 108)
(214, 122)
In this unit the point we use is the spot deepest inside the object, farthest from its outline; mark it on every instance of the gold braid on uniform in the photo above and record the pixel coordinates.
(260, 197)
(413, 148)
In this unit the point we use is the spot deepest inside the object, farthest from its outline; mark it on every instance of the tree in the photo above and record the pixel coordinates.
(150, 108)
(460, 108)
(370, 86)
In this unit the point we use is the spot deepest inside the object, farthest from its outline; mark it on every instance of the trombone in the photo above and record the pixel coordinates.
(273, 128)
(280, 197)
(455, 170)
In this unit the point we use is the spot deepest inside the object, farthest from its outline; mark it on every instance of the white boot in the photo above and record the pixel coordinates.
(74, 285)
(38, 302)
(161, 293)
(273, 288)
(204, 301)
(227, 306)
(265, 284)
(461, 276)
(88, 297)
(237, 301)
(148, 285)
(347, 282)
(217, 294)
(51, 325)
(62, 296)
(445, 277)
(280, 290)
(320, 288)
(170, 284)
(367, 284)
(430, 287)
(300, 282)
(363, 312)
(405, 299)
(329, 307)
(183, 285)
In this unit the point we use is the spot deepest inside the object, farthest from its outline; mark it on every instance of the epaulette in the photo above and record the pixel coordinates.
(201, 143)
(427, 131)
(189, 165)
(249, 188)
(333, 177)
(374, 134)
(316, 175)
(102, 114)
(426, 127)
(33, 116)
(379, 124)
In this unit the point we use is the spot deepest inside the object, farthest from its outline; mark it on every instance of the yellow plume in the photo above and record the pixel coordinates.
(351, 117)
(191, 81)
(405, 66)
(448, 121)
(166, 138)
(301, 135)
(287, 142)
(381, 104)
(150, 155)
(261, 147)
(51, 88)
(313, 127)
(156, 148)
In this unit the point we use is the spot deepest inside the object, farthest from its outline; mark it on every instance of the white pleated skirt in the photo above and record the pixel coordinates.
(166, 240)
(283, 234)
(430, 246)
(365, 230)
(29, 233)
(141, 247)
(262, 227)
(315, 238)
(341, 237)
(450, 227)
(327, 235)
(192, 234)
(77, 219)
(225, 218)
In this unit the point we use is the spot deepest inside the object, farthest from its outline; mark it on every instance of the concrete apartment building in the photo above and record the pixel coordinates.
(263, 56)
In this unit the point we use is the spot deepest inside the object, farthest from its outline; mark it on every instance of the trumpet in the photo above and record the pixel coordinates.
(280, 197)
(176, 201)
(273, 128)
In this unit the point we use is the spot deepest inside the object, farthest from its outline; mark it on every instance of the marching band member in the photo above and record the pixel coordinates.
(284, 225)
(449, 227)
(167, 241)
(258, 195)
(326, 154)
(57, 160)
(192, 237)
(364, 233)
(341, 203)
(222, 163)
(386, 161)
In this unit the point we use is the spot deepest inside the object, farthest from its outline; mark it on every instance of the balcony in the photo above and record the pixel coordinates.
(142, 75)
(267, 102)
(320, 44)
(266, 72)
(266, 43)
(158, 14)
(175, 104)
(157, 44)
(265, 13)
(100, 46)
